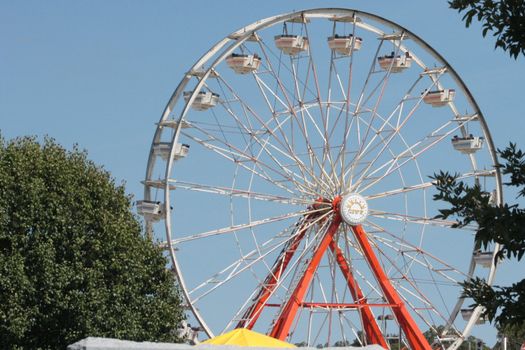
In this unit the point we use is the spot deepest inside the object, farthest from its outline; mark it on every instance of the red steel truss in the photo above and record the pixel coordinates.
(370, 326)
(283, 323)
(413, 334)
(270, 283)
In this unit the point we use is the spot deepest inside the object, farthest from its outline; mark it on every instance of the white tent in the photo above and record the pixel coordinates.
(92, 343)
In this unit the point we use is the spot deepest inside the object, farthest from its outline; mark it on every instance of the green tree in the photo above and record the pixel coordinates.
(505, 19)
(468, 344)
(73, 261)
(342, 343)
(515, 337)
(503, 224)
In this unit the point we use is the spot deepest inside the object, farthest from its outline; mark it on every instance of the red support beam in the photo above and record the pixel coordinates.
(251, 315)
(413, 334)
(334, 305)
(370, 326)
(282, 325)
(340, 305)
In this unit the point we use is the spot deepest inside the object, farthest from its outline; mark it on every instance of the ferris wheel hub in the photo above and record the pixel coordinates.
(353, 209)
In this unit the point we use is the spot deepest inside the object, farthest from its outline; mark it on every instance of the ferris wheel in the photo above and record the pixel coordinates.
(304, 209)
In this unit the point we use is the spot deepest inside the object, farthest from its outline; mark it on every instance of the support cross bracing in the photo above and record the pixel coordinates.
(284, 321)
(413, 334)
(271, 281)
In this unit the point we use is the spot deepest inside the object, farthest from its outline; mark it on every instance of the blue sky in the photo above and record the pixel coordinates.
(99, 73)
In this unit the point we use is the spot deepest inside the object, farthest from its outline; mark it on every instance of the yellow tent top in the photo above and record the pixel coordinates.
(246, 337)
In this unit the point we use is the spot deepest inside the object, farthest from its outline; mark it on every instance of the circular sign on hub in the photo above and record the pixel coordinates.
(354, 209)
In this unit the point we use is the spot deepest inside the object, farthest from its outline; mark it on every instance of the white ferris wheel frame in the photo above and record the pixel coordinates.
(225, 47)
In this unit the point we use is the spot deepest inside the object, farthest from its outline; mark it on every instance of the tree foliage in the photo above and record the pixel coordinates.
(503, 224)
(470, 343)
(505, 19)
(515, 337)
(73, 262)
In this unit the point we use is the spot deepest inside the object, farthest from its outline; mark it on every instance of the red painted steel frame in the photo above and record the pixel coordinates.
(284, 322)
(413, 334)
(270, 283)
(370, 327)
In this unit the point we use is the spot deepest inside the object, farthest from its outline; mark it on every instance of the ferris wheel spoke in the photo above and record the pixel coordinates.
(397, 110)
(381, 84)
(283, 140)
(406, 247)
(386, 76)
(373, 114)
(361, 95)
(235, 269)
(346, 97)
(415, 292)
(289, 234)
(278, 273)
(300, 123)
(254, 257)
(265, 90)
(411, 153)
(321, 163)
(395, 131)
(410, 295)
(425, 185)
(408, 155)
(288, 151)
(357, 110)
(268, 52)
(233, 158)
(433, 281)
(234, 192)
(418, 220)
(240, 158)
(325, 117)
(341, 156)
(234, 228)
(420, 258)
(300, 163)
(293, 270)
(331, 72)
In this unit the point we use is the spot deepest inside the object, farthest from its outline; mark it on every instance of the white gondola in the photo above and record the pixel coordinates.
(243, 64)
(163, 150)
(483, 258)
(467, 314)
(467, 145)
(170, 123)
(291, 44)
(151, 210)
(439, 98)
(394, 63)
(344, 44)
(203, 101)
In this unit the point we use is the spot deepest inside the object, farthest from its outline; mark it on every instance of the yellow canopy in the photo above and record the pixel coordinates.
(246, 337)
